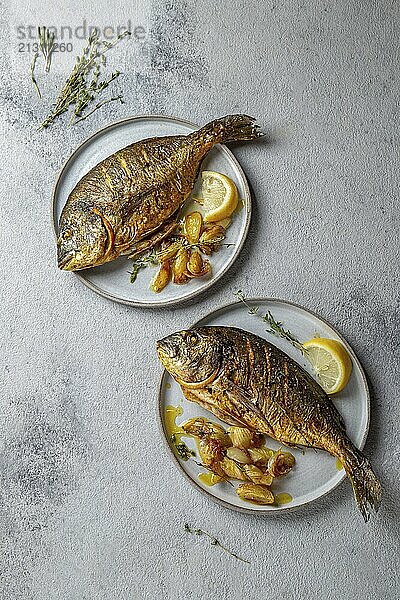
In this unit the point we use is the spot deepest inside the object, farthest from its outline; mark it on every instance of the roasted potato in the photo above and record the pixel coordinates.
(162, 278)
(255, 493)
(192, 227)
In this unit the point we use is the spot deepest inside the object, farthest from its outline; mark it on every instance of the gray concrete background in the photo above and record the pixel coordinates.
(91, 505)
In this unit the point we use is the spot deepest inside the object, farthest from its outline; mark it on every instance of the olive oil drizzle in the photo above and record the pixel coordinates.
(175, 433)
(283, 498)
(209, 479)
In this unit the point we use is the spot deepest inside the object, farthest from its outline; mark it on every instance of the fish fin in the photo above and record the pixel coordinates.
(207, 401)
(247, 402)
(231, 128)
(366, 486)
(147, 243)
(250, 404)
(110, 232)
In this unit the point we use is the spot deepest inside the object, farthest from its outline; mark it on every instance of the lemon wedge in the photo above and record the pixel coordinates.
(219, 196)
(331, 362)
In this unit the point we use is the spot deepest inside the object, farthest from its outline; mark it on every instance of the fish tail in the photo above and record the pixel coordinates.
(366, 486)
(231, 128)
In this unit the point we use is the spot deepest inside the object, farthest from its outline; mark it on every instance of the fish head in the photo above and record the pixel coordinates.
(82, 240)
(193, 357)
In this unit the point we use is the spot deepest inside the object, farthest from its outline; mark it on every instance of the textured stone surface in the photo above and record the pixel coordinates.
(91, 506)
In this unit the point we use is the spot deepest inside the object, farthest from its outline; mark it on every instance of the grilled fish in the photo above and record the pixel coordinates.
(134, 195)
(246, 381)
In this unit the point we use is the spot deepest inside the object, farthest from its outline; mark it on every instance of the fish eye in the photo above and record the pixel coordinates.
(192, 338)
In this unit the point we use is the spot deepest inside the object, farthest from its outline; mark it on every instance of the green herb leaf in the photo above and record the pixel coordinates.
(84, 84)
(213, 540)
(35, 57)
(46, 45)
(143, 262)
(275, 327)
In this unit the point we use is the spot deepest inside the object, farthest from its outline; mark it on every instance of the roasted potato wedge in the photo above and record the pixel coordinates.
(255, 493)
(192, 227)
(238, 455)
(162, 278)
(281, 463)
(169, 249)
(179, 275)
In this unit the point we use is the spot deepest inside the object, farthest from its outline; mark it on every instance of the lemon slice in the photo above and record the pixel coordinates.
(331, 363)
(220, 196)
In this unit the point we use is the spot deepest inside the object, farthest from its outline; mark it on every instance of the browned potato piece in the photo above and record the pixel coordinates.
(213, 233)
(200, 427)
(162, 278)
(232, 469)
(195, 264)
(260, 455)
(255, 493)
(253, 473)
(206, 268)
(211, 238)
(179, 267)
(244, 438)
(281, 463)
(238, 455)
(192, 227)
(168, 250)
(211, 450)
(266, 479)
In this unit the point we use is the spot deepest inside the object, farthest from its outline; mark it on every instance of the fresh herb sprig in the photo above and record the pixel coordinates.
(46, 45)
(185, 244)
(210, 243)
(214, 541)
(35, 83)
(84, 84)
(142, 263)
(275, 327)
(182, 449)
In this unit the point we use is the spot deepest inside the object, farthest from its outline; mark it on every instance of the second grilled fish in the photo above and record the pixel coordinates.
(135, 194)
(246, 381)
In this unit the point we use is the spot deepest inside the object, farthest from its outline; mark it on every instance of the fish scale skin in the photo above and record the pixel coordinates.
(137, 205)
(246, 381)
(134, 191)
(296, 408)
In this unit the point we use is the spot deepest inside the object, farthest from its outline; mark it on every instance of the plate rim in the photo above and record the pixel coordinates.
(161, 303)
(283, 507)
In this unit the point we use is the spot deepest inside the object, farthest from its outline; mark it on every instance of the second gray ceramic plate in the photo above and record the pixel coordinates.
(316, 472)
(112, 279)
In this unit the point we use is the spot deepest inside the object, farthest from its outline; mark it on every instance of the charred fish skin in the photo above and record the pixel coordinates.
(245, 380)
(129, 195)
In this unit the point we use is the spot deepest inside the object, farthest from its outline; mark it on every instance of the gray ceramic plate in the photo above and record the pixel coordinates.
(112, 280)
(316, 473)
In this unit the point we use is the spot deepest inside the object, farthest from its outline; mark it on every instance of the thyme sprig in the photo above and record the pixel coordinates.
(182, 449)
(185, 244)
(46, 45)
(214, 541)
(210, 243)
(141, 263)
(35, 83)
(84, 84)
(275, 327)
